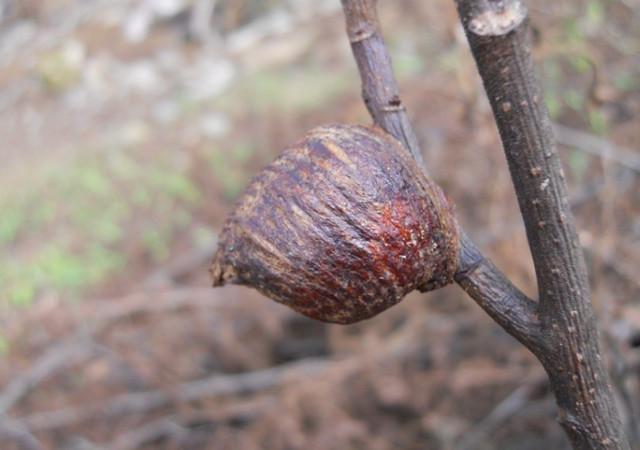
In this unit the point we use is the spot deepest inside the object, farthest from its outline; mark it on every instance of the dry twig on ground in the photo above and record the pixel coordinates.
(144, 402)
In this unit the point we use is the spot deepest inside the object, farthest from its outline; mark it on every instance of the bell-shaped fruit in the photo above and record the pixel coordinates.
(341, 226)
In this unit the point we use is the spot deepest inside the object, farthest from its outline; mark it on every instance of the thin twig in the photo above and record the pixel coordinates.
(149, 433)
(504, 410)
(398, 346)
(178, 427)
(144, 402)
(80, 347)
(55, 359)
(19, 434)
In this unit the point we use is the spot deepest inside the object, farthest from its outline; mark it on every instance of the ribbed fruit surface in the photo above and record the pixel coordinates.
(341, 226)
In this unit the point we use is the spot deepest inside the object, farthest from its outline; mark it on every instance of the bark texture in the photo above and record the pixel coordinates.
(379, 87)
(340, 227)
(499, 36)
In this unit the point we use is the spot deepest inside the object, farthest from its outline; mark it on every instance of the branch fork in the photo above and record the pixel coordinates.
(560, 328)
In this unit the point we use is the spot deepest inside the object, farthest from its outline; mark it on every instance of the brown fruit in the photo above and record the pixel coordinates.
(340, 227)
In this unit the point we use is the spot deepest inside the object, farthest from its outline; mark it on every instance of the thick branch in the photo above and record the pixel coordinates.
(477, 275)
(498, 33)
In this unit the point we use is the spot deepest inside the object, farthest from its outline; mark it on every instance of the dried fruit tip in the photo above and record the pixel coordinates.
(341, 226)
(221, 274)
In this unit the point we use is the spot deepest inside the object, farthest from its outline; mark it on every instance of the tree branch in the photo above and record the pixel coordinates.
(499, 36)
(478, 276)
(494, 293)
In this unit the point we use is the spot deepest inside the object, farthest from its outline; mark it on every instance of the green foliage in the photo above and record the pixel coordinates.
(408, 66)
(553, 104)
(574, 99)
(70, 228)
(174, 185)
(580, 64)
(11, 220)
(4, 345)
(595, 15)
(627, 81)
(294, 91)
(61, 268)
(22, 292)
(156, 242)
(229, 169)
(598, 122)
(578, 164)
(407, 61)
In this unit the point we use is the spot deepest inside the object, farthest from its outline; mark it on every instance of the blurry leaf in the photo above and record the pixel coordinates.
(580, 63)
(76, 217)
(182, 218)
(552, 71)
(595, 14)
(22, 293)
(573, 32)
(228, 174)
(574, 99)
(296, 90)
(107, 231)
(578, 164)
(11, 221)
(44, 213)
(93, 180)
(141, 196)
(156, 243)
(242, 152)
(64, 270)
(598, 122)
(102, 262)
(553, 104)
(176, 185)
(122, 166)
(626, 81)
(407, 66)
(4, 345)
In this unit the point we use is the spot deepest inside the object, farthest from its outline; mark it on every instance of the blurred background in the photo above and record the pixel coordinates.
(128, 128)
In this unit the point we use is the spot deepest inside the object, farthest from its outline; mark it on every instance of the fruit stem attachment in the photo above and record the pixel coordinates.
(477, 275)
(560, 329)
